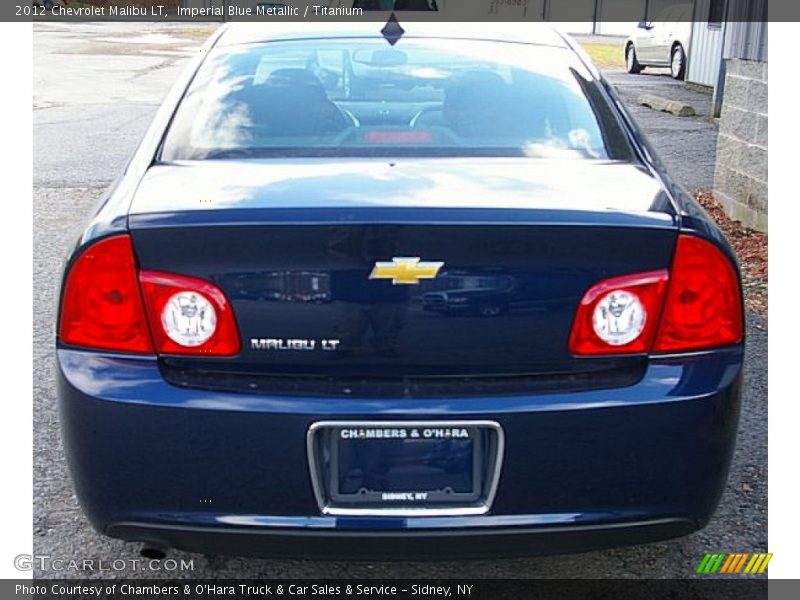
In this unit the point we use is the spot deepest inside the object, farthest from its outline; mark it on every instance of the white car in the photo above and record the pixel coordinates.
(663, 42)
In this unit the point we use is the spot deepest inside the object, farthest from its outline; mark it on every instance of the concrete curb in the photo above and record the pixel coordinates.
(679, 109)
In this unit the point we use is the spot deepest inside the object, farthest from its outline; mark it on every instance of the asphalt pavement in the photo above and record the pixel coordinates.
(95, 88)
(687, 145)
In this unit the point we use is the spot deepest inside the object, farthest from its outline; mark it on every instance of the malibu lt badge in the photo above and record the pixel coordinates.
(328, 345)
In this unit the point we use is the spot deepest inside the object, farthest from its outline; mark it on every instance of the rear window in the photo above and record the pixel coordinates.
(362, 97)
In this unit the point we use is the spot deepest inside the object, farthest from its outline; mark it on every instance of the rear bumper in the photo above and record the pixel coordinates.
(339, 544)
(228, 473)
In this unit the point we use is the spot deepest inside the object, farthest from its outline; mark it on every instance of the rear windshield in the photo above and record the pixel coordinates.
(422, 97)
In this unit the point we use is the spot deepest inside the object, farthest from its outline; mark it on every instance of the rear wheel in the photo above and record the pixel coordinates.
(677, 65)
(631, 62)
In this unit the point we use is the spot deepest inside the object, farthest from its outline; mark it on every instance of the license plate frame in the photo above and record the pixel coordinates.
(326, 445)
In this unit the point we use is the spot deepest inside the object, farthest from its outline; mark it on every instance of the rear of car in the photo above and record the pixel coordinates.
(379, 296)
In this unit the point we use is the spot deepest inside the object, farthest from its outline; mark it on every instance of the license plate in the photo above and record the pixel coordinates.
(385, 467)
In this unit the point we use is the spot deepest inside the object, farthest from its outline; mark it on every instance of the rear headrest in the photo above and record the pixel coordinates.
(481, 104)
(291, 108)
(475, 104)
(294, 77)
(473, 87)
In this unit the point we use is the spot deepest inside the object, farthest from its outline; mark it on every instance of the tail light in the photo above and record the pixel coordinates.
(703, 308)
(619, 315)
(694, 306)
(188, 315)
(108, 305)
(101, 306)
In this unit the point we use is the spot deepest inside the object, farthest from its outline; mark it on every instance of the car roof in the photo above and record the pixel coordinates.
(525, 33)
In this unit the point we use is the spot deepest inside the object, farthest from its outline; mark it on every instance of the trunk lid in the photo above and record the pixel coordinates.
(293, 245)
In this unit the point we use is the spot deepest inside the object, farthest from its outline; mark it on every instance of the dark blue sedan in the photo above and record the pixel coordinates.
(418, 300)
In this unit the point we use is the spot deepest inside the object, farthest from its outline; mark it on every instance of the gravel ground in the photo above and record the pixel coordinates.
(81, 141)
(687, 145)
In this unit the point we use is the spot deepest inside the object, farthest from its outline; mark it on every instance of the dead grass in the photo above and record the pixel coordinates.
(195, 33)
(606, 56)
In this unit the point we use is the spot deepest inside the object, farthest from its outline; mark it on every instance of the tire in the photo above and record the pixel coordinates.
(677, 63)
(632, 65)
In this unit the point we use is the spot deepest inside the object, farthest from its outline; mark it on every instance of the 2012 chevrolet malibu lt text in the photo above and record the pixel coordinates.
(351, 298)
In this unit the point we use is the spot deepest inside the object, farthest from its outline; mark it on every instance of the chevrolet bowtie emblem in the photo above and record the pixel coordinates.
(405, 271)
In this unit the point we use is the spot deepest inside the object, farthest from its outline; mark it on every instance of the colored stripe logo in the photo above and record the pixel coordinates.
(731, 564)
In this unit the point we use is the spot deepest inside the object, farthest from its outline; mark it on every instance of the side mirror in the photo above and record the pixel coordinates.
(644, 25)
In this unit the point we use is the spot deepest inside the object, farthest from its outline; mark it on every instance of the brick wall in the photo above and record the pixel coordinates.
(740, 179)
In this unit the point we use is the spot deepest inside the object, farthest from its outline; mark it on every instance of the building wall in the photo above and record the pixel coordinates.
(748, 40)
(740, 179)
(748, 29)
(705, 53)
